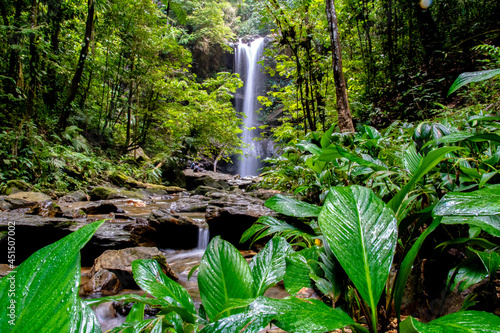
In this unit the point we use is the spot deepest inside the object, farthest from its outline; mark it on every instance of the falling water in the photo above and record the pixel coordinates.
(247, 56)
(203, 235)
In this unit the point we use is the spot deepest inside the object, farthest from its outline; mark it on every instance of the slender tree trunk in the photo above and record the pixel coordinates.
(344, 114)
(33, 65)
(75, 82)
(54, 21)
(14, 40)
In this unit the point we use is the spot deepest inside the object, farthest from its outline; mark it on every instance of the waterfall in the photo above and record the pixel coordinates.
(246, 58)
(203, 236)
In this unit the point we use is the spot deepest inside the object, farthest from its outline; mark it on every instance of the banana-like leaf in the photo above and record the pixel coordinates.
(223, 274)
(252, 321)
(458, 322)
(268, 266)
(150, 277)
(268, 225)
(326, 138)
(485, 244)
(43, 290)
(461, 136)
(429, 162)
(480, 208)
(136, 314)
(411, 159)
(292, 207)
(469, 77)
(303, 315)
(334, 151)
(407, 264)
(466, 275)
(490, 260)
(310, 147)
(362, 233)
(297, 274)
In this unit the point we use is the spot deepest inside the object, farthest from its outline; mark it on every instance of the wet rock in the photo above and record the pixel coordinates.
(26, 199)
(108, 193)
(113, 270)
(264, 194)
(195, 203)
(141, 233)
(208, 178)
(202, 190)
(75, 197)
(174, 231)
(229, 215)
(100, 208)
(4, 270)
(47, 208)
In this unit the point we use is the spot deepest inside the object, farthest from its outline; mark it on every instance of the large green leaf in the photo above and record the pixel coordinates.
(458, 322)
(292, 207)
(268, 266)
(407, 264)
(252, 321)
(429, 162)
(334, 151)
(466, 275)
(469, 77)
(362, 233)
(303, 315)
(150, 277)
(268, 225)
(297, 274)
(326, 138)
(46, 289)
(490, 260)
(480, 208)
(411, 159)
(223, 274)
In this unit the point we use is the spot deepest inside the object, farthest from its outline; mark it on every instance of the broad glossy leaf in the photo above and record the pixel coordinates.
(223, 274)
(297, 274)
(268, 266)
(407, 264)
(46, 289)
(476, 241)
(461, 136)
(150, 277)
(411, 159)
(469, 77)
(310, 147)
(362, 233)
(490, 260)
(458, 322)
(466, 275)
(292, 207)
(326, 138)
(136, 314)
(330, 153)
(430, 161)
(251, 321)
(372, 132)
(268, 225)
(303, 315)
(480, 208)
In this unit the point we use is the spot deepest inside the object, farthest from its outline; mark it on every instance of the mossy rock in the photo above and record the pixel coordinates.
(120, 179)
(108, 193)
(14, 186)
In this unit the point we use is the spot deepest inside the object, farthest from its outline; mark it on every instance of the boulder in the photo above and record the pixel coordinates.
(229, 215)
(26, 199)
(174, 231)
(74, 197)
(108, 193)
(46, 208)
(15, 186)
(100, 208)
(112, 270)
(195, 203)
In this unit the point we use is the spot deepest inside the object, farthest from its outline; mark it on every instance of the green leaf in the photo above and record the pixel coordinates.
(476, 241)
(150, 277)
(490, 260)
(292, 207)
(297, 274)
(469, 77)
(136, 314)
(326, 138)
(303, 315)
(480, 208)
(466, 275)
(252, 321)
(407, 264)
(458, 322)
(310, 147)
(411, 159)
(461, 136)
(268, 266)
(330, 153)
(267, 225)
(223, 274)
(46, 289)
(362, 233)
(429, 162)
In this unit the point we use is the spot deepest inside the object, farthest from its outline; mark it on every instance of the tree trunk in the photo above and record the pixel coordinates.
(33, 65)
(344, 114)
(77, 78)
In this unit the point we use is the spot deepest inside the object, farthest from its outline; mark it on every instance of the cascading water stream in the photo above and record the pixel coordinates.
(247, 56)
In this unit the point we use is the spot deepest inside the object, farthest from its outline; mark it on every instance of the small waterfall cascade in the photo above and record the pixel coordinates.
(203, 237)
(246, 57)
